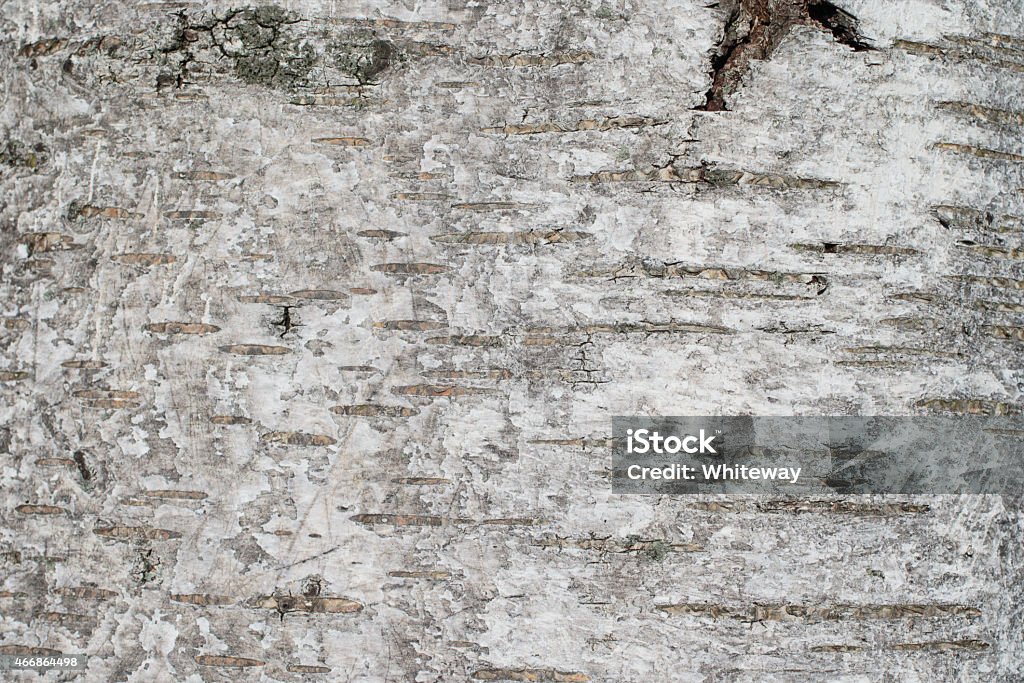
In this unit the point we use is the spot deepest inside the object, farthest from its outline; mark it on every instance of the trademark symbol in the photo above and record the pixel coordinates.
(718, 431)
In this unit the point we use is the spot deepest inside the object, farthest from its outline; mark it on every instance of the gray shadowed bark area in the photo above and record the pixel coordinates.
(315, 318)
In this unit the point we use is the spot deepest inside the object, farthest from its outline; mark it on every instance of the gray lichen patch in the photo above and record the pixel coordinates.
(146, 567)
(260, 43)
(270, 47)
(270, 70)
(17, 154)
(364, 57)
(264, 51)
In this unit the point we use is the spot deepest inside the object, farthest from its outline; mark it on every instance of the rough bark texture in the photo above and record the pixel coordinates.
(315, 318)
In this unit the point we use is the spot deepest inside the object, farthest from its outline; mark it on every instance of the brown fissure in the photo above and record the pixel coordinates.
(755, 28)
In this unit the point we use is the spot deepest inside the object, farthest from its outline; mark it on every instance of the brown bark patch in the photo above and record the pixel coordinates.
(755, 28)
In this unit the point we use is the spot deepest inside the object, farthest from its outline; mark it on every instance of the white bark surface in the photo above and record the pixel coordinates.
(315, 321)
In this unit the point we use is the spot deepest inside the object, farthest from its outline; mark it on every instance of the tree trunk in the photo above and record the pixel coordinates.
(316, 317)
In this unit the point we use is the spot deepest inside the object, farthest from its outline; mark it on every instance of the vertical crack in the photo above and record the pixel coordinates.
(286, 322)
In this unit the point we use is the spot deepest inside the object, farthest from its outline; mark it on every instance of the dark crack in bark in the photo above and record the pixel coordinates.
(287, 322)
(755, 28)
